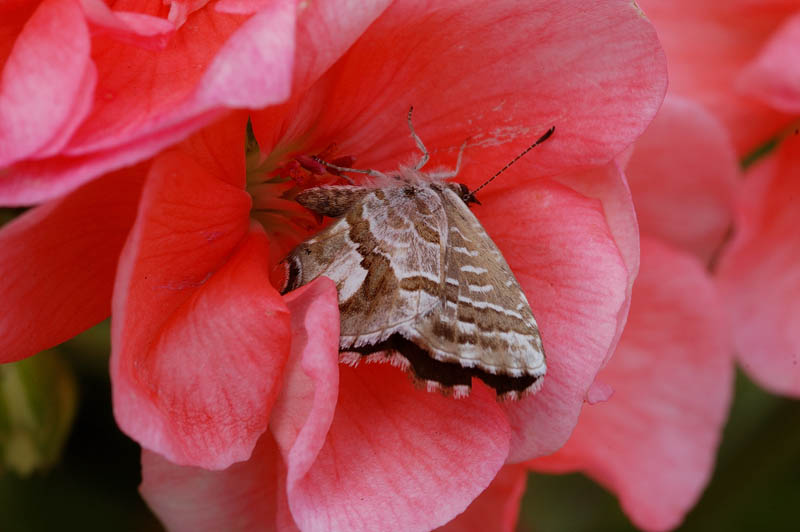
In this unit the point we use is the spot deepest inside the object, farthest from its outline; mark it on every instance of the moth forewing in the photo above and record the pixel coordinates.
(491, 302)
(422, 285)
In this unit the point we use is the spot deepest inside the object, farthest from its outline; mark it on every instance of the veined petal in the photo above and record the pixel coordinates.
(497, 508)
(497, 76)
(58, 263)
(200, 337)
(245, 496)
(560, 248)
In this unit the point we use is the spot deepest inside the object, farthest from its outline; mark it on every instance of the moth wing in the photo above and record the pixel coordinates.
(385, 256)
(485, 321)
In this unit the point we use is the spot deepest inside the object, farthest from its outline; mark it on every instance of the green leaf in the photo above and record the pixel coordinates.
(38, 399)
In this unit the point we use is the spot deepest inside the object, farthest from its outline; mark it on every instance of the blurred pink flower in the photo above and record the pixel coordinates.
(212, 369)
(759, 274)
(654, 441)
(758, 270)
(671, 374)
(773, 76)
(737, 59)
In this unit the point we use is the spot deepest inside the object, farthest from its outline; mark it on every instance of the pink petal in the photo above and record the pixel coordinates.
(41, 107)
(146, 100)
(326, 481)
(253, 68)
(683, 173)
(30, 182)
(599, 392)
(211, 149)
(498, 74)
(304, 411)
(774, 76)
(133, 28)
(497, 508)
(653, 443)
(325, 31)
(240, 6)
(251, 495)
(560, 248)
(58, 262)
(245, 496)
(164, 91)
(707, 45)
(200, 336)
(393, 455)
(608, 185)
(179, 10)
(759, 274)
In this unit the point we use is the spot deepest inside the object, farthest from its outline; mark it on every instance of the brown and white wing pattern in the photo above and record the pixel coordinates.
(385, 256)
(485, 322)
(421, 284)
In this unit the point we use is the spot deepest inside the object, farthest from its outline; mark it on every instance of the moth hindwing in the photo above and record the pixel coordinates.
(421, 285)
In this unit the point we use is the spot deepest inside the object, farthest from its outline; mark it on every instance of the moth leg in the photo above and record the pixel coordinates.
(454, 173)
(371, 173)
(420, 145)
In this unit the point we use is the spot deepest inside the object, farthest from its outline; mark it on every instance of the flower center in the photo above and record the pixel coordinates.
(275, 179)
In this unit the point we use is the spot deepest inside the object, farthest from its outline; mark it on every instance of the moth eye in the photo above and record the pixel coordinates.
(469, 198)
(408, 191)
(307, 251)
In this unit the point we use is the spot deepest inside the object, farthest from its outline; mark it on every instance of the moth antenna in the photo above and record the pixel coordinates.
(543, 138)
(371, 173)
(425, 155)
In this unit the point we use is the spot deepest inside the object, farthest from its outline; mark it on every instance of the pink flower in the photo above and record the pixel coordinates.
(236, 392)
(671, 374)
(86, 89)
(758, 272)
(350, 448)
(724, 56)
(773, 76)
(653, 442)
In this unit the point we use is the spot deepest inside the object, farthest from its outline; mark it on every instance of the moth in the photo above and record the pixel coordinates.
(421, 285)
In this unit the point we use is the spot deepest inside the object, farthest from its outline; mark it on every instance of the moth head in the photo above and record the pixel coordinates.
(463, 192)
